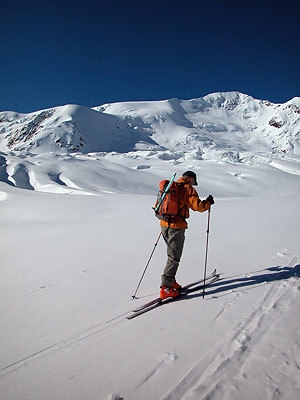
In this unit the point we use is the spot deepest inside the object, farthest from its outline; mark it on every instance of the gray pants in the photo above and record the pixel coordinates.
(174, 239)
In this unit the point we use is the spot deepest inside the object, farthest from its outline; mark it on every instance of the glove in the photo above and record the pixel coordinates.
(210, 199)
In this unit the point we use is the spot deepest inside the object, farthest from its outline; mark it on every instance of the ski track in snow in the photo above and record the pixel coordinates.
(83, 335)
(44, 286)
(219, 373)
(166, 359)
(222, 369)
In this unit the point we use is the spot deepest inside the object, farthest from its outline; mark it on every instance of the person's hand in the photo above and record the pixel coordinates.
(210, 199)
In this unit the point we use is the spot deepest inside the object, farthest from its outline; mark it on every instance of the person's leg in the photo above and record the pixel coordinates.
(174, 239)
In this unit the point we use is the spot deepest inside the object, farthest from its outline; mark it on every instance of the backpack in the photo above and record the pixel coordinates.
(167, 204)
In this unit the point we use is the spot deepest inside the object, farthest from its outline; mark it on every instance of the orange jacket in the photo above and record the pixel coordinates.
(189, 199)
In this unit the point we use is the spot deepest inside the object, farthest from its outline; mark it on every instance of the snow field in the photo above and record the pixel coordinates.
(65, 336)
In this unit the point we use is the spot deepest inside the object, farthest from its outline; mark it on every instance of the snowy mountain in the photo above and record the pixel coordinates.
(231, 121)
(221, 121)
(70, 264)
(37, 149)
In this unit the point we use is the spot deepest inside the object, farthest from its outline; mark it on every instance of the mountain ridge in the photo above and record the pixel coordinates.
(227, 137)
(177, 125)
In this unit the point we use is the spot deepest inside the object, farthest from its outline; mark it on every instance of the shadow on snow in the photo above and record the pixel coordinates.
(268, 275)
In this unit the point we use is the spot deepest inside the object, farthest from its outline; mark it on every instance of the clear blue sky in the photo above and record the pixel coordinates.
(95, 52)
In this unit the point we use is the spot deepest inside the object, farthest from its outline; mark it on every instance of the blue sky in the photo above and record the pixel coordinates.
(91, 53)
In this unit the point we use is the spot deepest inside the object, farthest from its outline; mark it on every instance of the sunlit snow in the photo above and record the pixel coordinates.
(77, 228)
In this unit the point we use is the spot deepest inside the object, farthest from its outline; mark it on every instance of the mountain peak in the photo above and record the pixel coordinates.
(217, 122)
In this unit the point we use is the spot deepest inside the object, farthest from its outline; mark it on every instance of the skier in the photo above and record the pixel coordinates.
(174, 232)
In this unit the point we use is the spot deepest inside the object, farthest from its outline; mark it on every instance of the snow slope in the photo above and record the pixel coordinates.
(70, 264)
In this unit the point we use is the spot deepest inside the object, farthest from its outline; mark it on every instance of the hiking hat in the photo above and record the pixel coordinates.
(192, 175)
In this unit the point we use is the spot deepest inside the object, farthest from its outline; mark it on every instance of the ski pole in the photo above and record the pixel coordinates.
(206, 251)
(134, 295)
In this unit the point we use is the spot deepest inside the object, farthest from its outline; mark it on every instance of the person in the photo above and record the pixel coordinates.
(174, 232)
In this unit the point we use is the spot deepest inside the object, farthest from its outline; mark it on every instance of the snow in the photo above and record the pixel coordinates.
(77, 229)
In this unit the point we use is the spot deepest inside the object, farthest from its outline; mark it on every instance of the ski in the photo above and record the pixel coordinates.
(184, 291)
(158, 300)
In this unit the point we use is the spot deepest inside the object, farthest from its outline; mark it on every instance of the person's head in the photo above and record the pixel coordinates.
(192, 177)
